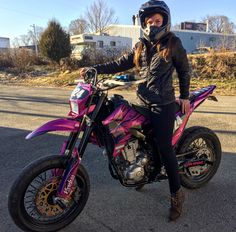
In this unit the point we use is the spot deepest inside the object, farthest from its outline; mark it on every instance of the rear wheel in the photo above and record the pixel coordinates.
(199, 143)
(31, 201)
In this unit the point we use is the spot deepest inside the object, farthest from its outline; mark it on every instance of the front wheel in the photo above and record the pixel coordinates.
(31, 199)
(199, 143)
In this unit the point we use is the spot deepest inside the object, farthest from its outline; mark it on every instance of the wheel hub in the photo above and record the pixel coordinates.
(198, 170)
(44, 199)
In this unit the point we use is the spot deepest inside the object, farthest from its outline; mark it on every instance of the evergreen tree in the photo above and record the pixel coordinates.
(55, 42)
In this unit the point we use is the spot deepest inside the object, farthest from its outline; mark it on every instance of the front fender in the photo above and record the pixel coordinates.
(63, 124)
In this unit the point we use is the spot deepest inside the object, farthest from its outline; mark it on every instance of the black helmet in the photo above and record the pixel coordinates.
(152, 7)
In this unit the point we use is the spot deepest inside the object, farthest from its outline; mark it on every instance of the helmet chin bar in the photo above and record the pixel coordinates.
(153, 34)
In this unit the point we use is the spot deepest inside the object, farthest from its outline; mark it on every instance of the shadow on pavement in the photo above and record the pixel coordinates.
(30, 114)
(112, 207)
(34, 99)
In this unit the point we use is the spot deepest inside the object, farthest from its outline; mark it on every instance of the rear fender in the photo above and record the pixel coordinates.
(63, 124)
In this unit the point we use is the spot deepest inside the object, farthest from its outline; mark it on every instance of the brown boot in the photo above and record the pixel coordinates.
(176, 205)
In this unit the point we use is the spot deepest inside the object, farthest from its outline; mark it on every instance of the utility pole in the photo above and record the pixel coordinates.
(35, 40)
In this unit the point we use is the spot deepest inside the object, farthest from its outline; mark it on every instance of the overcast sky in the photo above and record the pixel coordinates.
(16, 16)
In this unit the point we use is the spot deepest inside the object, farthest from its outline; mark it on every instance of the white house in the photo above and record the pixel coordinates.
(83, 41)
(4, 43)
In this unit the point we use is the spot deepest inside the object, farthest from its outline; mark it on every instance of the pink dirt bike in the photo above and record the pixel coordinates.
(52, 191)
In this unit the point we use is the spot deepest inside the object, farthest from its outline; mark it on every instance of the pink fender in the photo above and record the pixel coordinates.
(63, 124)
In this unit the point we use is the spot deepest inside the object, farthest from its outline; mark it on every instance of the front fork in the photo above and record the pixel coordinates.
(66, 186)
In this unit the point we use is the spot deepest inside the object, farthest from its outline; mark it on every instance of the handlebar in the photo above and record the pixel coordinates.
(91, 77)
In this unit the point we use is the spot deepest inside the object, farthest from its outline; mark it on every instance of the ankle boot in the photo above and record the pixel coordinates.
(176, 205)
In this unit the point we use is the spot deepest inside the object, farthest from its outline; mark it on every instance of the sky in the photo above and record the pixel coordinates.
(18, 16)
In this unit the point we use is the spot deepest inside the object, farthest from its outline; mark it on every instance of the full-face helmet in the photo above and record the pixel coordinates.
(150, 8)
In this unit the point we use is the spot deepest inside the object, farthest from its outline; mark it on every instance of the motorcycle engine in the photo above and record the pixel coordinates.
(133, 162)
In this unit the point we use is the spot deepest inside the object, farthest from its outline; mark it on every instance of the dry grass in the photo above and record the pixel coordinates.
(213, 66)
(206, 69)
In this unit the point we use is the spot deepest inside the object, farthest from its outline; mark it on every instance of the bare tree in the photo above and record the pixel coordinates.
(99, 16)
(16, 42)
(35, 35)
(25, 39)
(219, 24)
(78, 26)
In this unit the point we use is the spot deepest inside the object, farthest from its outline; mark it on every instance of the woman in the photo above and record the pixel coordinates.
(157, 54)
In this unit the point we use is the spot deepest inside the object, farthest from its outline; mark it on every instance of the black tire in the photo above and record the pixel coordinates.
(49, 217)
(206, 142)
(139, 187)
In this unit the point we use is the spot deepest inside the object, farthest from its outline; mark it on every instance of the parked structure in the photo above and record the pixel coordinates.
(84, 41)
(4, 43)
(192, 35)
(191, 39)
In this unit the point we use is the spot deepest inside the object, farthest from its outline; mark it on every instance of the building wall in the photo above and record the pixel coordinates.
(4, 42)
(190, 39)
(194, 39)
(131, 31)
(82, 42)
(120, 41)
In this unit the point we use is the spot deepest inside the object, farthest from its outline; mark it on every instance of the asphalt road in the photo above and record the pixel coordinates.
(112, 207)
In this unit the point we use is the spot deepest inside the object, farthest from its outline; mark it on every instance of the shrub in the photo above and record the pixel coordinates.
(5, 60)
(213, 66)
(55, 42)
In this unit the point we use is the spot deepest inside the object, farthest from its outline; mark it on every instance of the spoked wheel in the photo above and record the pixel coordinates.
(200, 144)
(32, 203)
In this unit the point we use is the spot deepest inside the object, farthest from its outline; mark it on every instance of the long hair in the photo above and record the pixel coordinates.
(164, 53)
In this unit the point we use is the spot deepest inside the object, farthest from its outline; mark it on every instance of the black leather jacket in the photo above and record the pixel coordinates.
(158, 88)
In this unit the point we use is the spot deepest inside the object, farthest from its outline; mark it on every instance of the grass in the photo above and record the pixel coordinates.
(224, 86)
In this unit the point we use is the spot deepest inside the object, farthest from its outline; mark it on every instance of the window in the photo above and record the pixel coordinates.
(113, 43)
(100, 44)
(88, 37)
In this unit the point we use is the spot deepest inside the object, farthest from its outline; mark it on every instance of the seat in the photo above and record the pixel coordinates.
(197, 93)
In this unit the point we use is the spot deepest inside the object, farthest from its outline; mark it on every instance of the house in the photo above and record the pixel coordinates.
(104, 42)
(4, 43)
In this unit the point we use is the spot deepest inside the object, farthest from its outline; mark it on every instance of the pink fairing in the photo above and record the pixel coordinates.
(200, 96)
(79, 97)
(63, 124)
(120, 122)
(84, 111)
(180, 130)
(126, 117)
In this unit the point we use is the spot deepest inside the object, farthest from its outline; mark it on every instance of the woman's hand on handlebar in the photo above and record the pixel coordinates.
(83, 71)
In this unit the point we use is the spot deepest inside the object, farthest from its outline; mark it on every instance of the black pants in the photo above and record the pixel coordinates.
(162, 119)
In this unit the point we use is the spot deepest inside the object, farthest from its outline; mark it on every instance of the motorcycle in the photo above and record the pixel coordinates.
(52, 191)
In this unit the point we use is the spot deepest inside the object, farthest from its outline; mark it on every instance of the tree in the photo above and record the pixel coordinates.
(219, 24)
(99, 16)
(25, 39)
(55, 42)
(35, 34)
(78, 26)
(29, 38)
